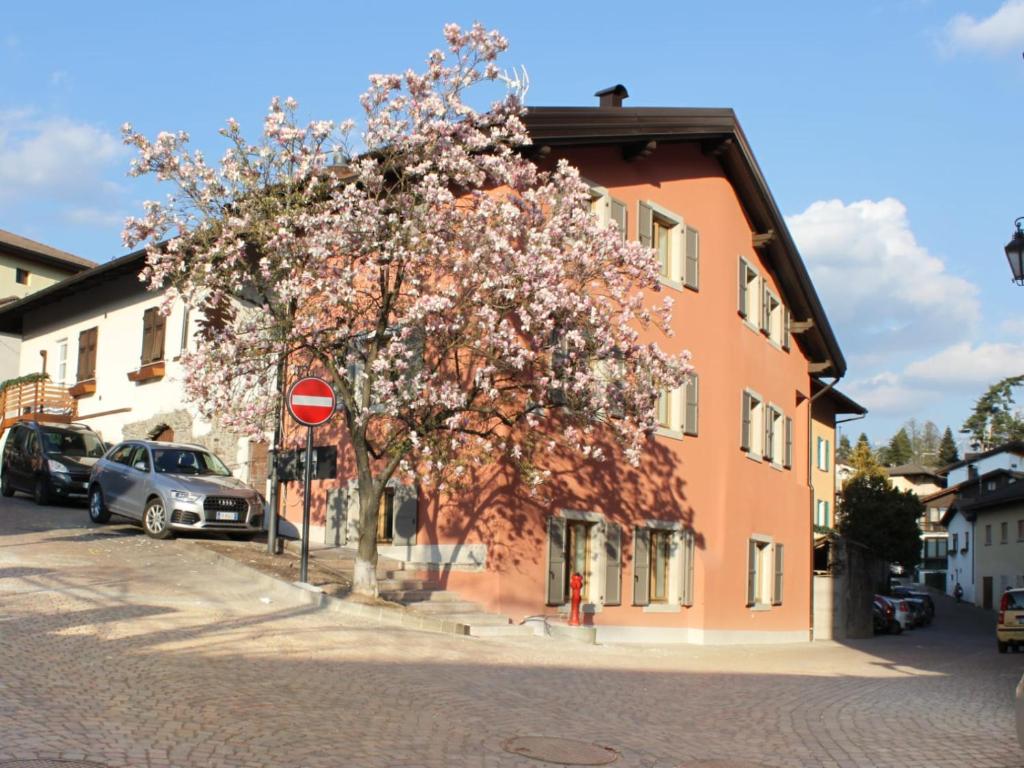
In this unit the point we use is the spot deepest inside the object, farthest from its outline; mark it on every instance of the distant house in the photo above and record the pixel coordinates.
(25, 267)
(934, 539)
(918, 479)
(1006, 456)
(828, 404)
(985, 529)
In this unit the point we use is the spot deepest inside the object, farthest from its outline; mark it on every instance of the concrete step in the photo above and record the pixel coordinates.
(454, 608)
(413, 595)
(500, 630)
(479, 619)
(397, 585)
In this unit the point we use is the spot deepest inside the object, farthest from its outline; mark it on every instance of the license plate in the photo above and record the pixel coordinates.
(85, 485)
(232, 516)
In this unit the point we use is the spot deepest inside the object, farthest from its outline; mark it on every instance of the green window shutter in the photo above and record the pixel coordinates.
(618, 215)
(769, 434)
(692, 391)
(686, 587)
(777, 591)
(645, 225)
(556, 560)
(743, 288)
(692, 272)
(766, 315)
(613, 564)
(745, 423)
(406, 518)
(787, 328)
(817, 455)
(828, 513)
(828, 455)
(788, 460)
(641, 566)
(751, 572)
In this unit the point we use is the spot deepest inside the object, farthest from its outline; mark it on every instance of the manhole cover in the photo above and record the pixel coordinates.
(50, 764)
(560, 751)
(719, 763)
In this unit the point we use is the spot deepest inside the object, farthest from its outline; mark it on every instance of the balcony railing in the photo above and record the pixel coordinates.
(36, 401)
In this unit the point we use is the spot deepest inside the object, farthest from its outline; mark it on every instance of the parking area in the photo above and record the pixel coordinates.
(127, 651)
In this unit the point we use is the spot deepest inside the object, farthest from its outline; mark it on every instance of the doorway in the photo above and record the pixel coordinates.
(986, 593)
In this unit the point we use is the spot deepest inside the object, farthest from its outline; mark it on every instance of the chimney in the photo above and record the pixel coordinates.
(612, 97)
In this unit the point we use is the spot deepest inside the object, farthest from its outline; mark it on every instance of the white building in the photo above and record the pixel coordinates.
(960, 553)
(100, 336)
(1009, 456)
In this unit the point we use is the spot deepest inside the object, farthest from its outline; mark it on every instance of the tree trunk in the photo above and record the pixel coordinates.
(364, 578)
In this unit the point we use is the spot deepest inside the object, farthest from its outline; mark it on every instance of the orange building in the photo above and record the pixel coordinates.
(709, 540)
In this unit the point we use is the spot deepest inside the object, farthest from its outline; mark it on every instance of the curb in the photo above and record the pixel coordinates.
(303, 594)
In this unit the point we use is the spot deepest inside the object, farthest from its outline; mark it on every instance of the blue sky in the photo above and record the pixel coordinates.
(890, 133)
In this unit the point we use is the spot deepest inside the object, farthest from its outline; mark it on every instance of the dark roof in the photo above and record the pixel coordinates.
(42, 253)
(843, 403)
(961, 504)
(12, 314)
(1006, 494)
(1014, 446)
(906, 470)
(720, 135)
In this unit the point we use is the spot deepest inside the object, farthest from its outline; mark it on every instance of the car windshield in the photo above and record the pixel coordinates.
(186, 461)
(65, 442)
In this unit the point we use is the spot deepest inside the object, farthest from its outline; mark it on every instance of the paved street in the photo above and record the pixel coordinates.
(129, 652)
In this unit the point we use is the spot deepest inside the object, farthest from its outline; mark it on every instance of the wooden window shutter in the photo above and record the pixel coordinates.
(618, 215)
(556, 560)
(779, 560)
(690, 427)
(405, 521)
(751, 572)
(94, 334)
(83, 355)
(743, 288)
(745, 423)
(148, 324)
(613, 564)
(159, 332)
(787, 328)
(641, 566)
(692, 271)
(686, 585)
(766, 303)
(645, 225)
(768, 451)
(788, 458)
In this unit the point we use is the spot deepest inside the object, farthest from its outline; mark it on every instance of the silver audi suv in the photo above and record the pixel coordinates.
(172, 487)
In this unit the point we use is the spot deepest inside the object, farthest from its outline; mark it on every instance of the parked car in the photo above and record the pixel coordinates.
(918, 613)
(913, 594)
(1010, 626)
(50, 461)
(900, 612)
(880, 616)
(172, 487)
(888, 607)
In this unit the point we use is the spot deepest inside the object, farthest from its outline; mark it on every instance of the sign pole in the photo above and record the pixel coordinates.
(307, 483)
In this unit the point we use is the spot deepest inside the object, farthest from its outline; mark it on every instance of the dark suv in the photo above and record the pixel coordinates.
(49, 460)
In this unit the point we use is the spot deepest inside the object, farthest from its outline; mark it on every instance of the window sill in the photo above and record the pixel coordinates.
(672, 434)
(83, 388)
(149, 372)
(670, 283)
(754, 456)
(760, 607)
(662, 608)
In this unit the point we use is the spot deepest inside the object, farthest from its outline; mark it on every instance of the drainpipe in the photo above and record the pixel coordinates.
(810, 485)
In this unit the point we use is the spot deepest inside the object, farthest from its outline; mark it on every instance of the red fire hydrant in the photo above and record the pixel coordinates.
(576, 586)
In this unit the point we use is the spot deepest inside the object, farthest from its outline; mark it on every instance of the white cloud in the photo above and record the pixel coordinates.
(889, 394)
(99, 217)
(1002, 31)
(53, 157)
(885, 291)
(966, 366)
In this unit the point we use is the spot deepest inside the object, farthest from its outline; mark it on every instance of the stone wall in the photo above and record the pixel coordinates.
(221, 442)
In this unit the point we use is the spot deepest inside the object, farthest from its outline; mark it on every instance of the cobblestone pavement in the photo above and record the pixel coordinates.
(130, 652)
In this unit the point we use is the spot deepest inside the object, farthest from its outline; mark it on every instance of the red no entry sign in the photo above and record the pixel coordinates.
(311, 401)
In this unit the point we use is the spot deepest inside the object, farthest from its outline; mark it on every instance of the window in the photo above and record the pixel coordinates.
(123, 454)
(153, 326)
(990, 485)
(607, 209)
(20, 276)
(677, 246)
(953, 541)
(967, 542)
(140, 459)
(87, 354)
(778, 437)
(1020, 530)
(752, 430)
(1004, 533)
(750, 297)
(678, 410)
(663, 563)
(583, 543)
(821, 513)
(988, 536)
(824, 454)
(386, 516)
(665, 409)
(62, 362)
(771, 315)
(764, 573)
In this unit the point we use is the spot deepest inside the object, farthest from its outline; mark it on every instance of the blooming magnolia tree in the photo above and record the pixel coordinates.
(463, 302)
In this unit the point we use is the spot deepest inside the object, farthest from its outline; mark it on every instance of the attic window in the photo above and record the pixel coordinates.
(21, 276)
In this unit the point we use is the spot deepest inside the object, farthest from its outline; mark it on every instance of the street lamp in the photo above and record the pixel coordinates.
(1015, 253)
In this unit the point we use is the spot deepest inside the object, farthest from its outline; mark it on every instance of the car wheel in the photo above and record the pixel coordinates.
(154, 520)
(41, 494)
(98, 511)
(1002, 646)
(6, 489)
